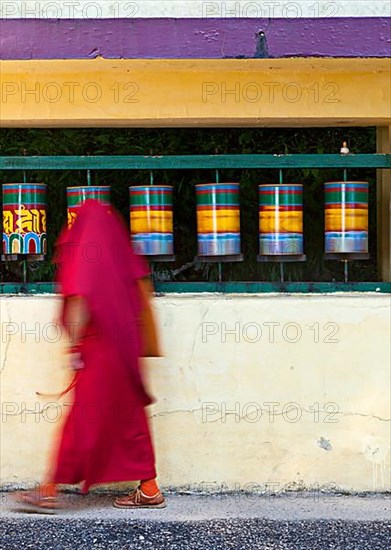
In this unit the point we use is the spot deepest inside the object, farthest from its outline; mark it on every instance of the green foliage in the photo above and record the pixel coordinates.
(130, 141)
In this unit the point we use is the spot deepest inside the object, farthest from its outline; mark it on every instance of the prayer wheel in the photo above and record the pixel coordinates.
(151, 220)
(218, 220)
(281, 220)
(346, 217)
(77, 196)
(24, 219)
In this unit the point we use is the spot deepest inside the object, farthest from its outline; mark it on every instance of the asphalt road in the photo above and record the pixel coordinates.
(212, 523)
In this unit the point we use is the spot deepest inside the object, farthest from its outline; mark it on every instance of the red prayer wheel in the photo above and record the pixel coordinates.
(77, 196)
(346, 217)
(151, 220)
(24, 219)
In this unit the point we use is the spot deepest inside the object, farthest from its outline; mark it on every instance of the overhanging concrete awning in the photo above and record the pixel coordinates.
(203, 92)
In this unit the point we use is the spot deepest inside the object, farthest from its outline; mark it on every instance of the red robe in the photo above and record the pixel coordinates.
(106, 436)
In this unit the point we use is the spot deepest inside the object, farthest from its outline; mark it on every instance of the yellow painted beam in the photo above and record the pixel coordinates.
(228, 92)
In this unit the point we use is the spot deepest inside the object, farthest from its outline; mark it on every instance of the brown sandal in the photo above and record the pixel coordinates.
(137, 499)
(34, 502)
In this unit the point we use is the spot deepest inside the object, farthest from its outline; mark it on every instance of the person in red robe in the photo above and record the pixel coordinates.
(106, 312)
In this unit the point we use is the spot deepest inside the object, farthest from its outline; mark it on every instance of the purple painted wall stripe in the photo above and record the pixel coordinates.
(194, 38)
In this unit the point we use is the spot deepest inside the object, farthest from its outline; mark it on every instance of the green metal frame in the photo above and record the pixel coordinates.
(215, 162)
(224, 288)
(191, 162)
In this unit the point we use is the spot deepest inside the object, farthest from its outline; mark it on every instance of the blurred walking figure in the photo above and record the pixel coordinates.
(107, 314)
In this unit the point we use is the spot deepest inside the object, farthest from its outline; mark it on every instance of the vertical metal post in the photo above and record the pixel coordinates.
(88, 177)
(24, 272)
(345, 151)
(346, 270)
(282, 272)
(24, 171)
(24, 264)
(217, 175)
(151, 172)
(151, 177)
(281, 179)
(383, 200)
(220, 272)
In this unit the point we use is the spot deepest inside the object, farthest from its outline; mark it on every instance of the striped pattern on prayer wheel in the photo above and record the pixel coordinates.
(24, 218)
(77, 196)
(218, 219)
(151, 219)
(346, 217)
(280, 219)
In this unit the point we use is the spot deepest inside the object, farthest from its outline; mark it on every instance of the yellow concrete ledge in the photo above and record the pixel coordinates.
(230, 92)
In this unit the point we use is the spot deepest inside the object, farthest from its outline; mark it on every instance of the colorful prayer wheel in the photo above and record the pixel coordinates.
(151, 220)
(24, 218)
(281, 220)
(346, 217)
(218, 219)
(76, 196)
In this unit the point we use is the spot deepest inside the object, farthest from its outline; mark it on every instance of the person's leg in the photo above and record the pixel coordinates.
(147, 495)
(43, 499)
(149, 487)
(48, 490)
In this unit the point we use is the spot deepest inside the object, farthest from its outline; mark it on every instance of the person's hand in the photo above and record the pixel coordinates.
(75, 361)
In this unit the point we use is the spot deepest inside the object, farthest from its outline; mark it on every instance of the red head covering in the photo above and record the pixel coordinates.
(96, 262)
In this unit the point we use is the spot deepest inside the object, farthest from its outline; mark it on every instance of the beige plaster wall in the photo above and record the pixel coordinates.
(297, 394)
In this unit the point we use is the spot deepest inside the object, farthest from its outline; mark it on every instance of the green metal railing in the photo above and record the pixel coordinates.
(224, 288)
(192, 162)
(215, 162)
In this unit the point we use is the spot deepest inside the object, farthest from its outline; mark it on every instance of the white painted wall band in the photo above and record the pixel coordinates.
(200, 9)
